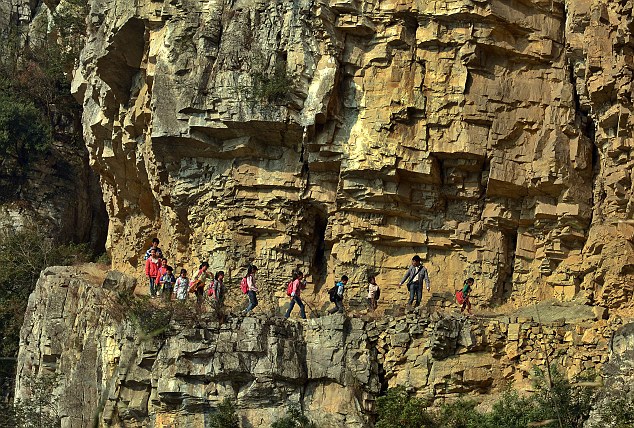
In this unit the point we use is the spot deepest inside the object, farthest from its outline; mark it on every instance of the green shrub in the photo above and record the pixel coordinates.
(23, 132)
(272, 87)
(294, 418)
(23, 255)
(513, 411)
(38, 410)
(557, 403)
(397, 409)
(225, 416)
(562, 401)
(616, 410)
(460, 414)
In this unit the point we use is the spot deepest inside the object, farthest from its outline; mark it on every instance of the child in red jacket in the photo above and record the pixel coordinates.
(152, 270)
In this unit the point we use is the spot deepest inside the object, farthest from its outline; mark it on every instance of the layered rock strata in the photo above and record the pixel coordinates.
(490, 137)
(334, 366)
(57, 191)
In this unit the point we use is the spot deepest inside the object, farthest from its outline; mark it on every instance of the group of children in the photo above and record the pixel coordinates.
(162, 282)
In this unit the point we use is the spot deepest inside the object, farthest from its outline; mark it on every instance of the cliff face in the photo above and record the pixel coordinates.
(334, 366)
(493, 138)
(57, 191)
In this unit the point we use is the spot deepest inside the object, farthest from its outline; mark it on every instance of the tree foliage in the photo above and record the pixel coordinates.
(556, 403)
(294, 418)
(38, 410)
(23, 132)
(225, 416)
(399, 409)
(23, 255)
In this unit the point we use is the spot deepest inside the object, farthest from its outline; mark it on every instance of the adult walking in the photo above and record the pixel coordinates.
(251, 287)
(414, 278)
(294, 290)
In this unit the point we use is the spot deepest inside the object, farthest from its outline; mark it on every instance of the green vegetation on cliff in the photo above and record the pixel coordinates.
(558, 403)
(23, 255)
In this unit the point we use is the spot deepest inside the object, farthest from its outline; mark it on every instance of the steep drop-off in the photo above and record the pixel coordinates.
(111, 372)
(491, 137)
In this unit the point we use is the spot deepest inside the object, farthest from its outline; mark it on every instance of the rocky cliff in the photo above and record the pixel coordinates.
(112, 372)
(57, 190)
(491, 137)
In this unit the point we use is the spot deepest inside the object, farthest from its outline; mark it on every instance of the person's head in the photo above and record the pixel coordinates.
(183, 273)
(204, 266)
(251, 270)
(152, 252)
(372, 279)
(220, 275)
(469, 281)
(416, 260)
(155, 242)
(344, 279)
(163, 261)
(169, 269)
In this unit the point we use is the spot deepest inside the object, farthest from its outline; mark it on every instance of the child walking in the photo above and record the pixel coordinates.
(155, 247)
(373, 293)
(217, 289)
(466, 291)
(182, 285)
(336, 295)
(252, 289)
(151, 271)
(161, 271)
(295, 287)
(167, 282)
(197, 284)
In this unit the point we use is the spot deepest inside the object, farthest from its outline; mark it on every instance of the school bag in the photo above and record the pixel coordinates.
(333, 293)
(244, 285)
(459, 297)
(195, 284)
(289, 289)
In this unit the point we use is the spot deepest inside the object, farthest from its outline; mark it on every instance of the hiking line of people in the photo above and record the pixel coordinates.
(162, 282)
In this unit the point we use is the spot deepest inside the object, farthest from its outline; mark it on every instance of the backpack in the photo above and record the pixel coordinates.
(244, 286)
(459, 297)
(289, 289)
(333, 294)
(377, 294)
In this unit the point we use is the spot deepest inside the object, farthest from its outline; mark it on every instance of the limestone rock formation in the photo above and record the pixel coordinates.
(58, 191)
(619, 371)
(334, 366)
(490, 137)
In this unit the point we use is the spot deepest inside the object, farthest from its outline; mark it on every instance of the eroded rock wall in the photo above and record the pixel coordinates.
(57, 191)
(334, 366)
(490, 137)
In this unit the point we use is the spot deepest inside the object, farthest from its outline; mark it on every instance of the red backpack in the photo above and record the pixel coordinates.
(289, 289)
(244, 286)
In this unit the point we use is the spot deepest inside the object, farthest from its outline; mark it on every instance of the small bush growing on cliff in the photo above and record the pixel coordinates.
(398, 409)
(616, 410)
(36, 411)
(557, 403)
(294, 418)
(272, 87)
(225, 416)
(23, 255)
